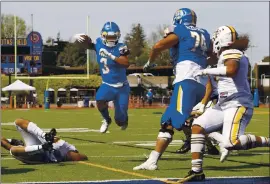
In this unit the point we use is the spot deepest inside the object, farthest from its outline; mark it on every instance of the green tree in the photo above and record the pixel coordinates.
(72, 56)
(135, 40)
(266, 59)
(7, 26)
(163, 58)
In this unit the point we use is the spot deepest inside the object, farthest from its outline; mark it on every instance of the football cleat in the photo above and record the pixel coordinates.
(124, 127)
(185, 147)
(193, 176)
(211, 149)
(224, 153)
(16, 142)
(147, 165)
(105, 125)
(49, 137)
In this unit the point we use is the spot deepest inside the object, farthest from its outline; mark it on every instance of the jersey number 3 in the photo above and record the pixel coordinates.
(106, 69)
(199, 41)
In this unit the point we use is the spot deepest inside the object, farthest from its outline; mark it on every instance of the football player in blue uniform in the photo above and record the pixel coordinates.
(189, 47)
(113, 62)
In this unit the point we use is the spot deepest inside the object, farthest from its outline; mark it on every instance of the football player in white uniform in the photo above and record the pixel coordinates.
(208, 101)
(40, 147)
(234, 108)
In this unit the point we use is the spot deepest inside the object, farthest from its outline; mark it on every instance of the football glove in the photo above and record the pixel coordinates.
(201, 110)
(106, 54)
(148, 66)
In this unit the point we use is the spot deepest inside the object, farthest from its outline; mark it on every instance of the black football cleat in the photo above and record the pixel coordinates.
(185, 148)
(211, 149)
(193, 176)
(16, 142)
(49, 137)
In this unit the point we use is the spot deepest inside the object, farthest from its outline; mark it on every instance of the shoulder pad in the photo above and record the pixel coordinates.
(231, 54)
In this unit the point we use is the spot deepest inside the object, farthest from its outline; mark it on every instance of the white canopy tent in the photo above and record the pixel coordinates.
(62, 89)
(74, 89)
(18, 86)
(50, 89)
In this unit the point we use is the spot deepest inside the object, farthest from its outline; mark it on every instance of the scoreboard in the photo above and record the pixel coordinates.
(29, 54)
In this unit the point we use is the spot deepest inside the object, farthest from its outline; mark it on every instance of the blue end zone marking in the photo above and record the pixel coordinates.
(224, 180)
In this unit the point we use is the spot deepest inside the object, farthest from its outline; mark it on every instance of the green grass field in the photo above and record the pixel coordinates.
(114, 154)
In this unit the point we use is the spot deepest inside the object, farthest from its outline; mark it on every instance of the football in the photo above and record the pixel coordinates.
(84, 44)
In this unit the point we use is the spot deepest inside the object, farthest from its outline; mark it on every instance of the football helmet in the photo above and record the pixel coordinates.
(185, 16)
(224, 36)
(110, 34)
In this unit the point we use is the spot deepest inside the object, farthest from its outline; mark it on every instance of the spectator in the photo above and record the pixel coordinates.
(142, 99)
(139, 80)
(149, 96)
(34, 99)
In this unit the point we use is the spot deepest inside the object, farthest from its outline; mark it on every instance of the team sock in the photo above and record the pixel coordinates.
(35, 130)
(197, 146)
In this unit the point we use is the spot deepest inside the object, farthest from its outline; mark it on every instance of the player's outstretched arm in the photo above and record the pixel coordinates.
(166, 43)
(229, 69)
(162, 45)
(122, 60)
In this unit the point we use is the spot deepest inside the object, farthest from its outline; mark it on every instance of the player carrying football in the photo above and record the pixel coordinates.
(234, 108)
(188, 46)
(113, 62)
(40, 147)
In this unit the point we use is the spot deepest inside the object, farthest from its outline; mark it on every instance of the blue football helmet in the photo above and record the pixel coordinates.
(185, 16)
(110, 34)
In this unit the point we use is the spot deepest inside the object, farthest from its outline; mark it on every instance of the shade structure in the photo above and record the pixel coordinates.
(18, 86)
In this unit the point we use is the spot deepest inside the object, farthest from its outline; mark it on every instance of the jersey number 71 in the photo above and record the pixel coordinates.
(199, 41)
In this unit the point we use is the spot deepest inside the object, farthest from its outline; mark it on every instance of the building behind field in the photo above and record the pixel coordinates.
(262, 80)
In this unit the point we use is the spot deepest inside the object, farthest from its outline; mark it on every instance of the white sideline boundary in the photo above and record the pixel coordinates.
(208, 180)
(131, 156)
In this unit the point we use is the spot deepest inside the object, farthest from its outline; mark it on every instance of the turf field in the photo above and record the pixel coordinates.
(113, 155)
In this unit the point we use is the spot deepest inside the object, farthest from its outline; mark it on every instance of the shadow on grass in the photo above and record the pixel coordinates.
(5, 170)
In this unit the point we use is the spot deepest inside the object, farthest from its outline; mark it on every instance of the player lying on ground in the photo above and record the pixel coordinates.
(40, 147)
(234, 109)
(188, 46)
(113, 62)
(209, 99)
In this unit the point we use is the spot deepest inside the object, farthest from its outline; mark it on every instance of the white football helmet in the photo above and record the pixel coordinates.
(224, 36)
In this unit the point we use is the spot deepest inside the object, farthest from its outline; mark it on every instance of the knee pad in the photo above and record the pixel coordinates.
(166, 134)
(102, 105)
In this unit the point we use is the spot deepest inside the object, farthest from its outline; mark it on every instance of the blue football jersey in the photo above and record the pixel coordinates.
(193, 44)
(111, 71)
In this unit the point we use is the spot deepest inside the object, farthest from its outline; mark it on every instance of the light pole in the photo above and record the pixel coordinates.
(251, 46)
